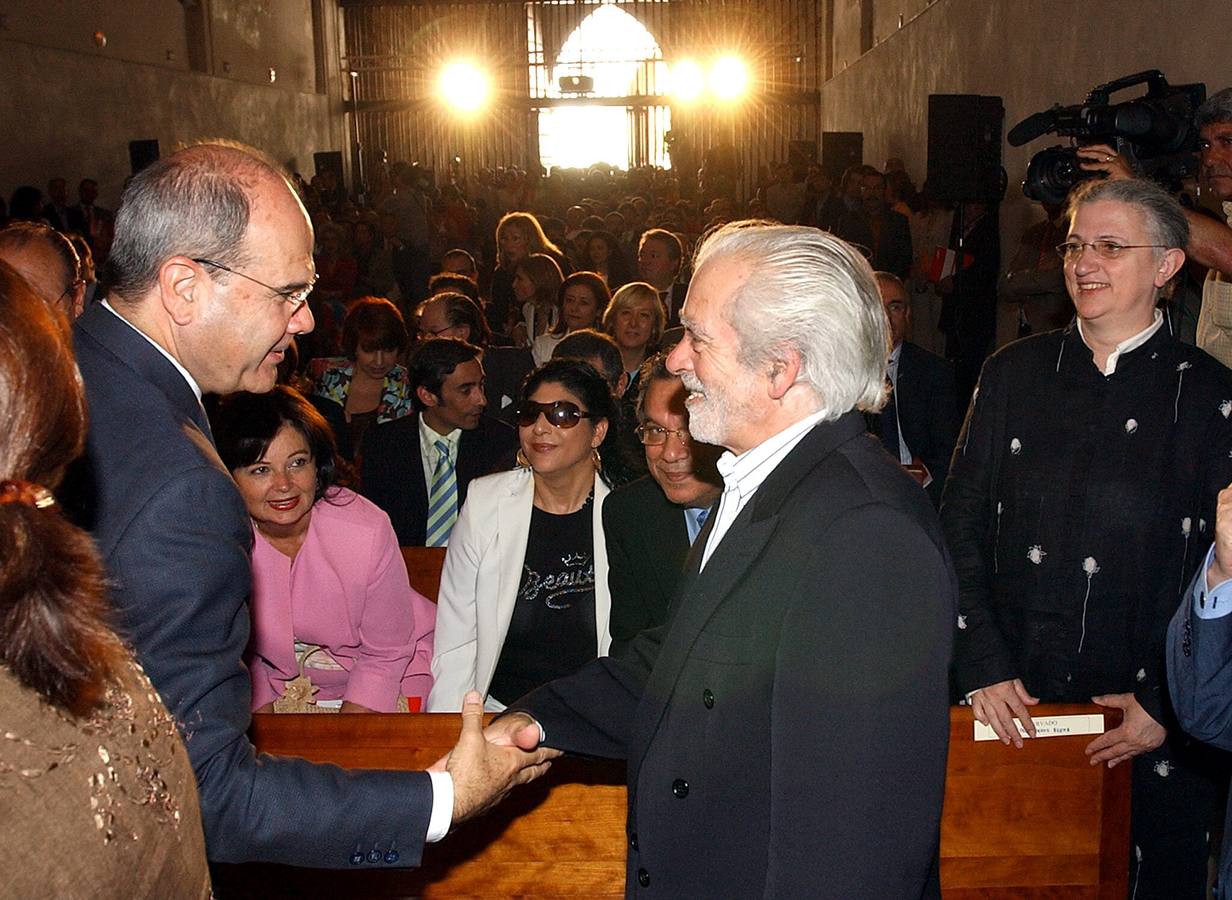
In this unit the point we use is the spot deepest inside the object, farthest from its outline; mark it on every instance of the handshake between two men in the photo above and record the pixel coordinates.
(486, 764)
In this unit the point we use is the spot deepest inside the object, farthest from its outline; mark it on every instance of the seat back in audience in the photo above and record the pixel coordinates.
(423, 569)
(1031, 823)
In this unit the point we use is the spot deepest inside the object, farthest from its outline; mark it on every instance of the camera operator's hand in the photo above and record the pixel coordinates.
(1102, 158)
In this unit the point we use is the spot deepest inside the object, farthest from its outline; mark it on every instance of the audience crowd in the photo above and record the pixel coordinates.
(481, 365)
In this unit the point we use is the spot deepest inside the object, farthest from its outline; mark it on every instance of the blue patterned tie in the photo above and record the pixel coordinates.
(442, 499)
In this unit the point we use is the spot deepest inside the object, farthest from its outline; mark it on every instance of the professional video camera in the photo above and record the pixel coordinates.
(1155, 131)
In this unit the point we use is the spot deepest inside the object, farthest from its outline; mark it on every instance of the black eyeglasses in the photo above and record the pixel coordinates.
(1071, 250)
(561, 414)
(297, 298)
(656, 435)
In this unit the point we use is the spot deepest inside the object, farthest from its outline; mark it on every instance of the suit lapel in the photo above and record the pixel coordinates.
(136, 351)
(706, 590)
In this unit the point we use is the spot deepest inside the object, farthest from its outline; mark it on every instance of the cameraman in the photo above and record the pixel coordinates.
(1210, 243)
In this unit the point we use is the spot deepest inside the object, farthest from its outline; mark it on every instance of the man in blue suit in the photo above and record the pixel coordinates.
(210, 270)
(1199, 650)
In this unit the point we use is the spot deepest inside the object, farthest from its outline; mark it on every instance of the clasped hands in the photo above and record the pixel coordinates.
(486, 764)
(997, 705)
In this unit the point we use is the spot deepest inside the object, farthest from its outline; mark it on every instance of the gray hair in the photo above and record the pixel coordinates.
(1216, 110)
(815, 294)
(1165, 220)
(195, 203)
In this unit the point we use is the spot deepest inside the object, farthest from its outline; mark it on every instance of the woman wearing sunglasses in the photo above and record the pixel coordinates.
(524, 595)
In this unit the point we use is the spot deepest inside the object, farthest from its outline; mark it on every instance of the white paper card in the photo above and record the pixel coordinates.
(1050, 726)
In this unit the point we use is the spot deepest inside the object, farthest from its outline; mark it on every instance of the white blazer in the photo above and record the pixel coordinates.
(479, 584)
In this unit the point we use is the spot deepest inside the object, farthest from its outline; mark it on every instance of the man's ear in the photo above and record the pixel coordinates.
(426, 397)
(783, 371)
(183, 287)
(1169, 264)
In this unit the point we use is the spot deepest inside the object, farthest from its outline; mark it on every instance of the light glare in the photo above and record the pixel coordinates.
(728, 78)
(463, 86)
(688, 80)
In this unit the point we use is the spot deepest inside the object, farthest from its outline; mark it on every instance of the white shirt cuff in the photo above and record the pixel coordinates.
(1216, 602)
(442, 806)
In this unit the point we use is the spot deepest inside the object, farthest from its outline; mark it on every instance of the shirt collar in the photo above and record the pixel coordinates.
(192, 382)
(1131, 343)
(745, 473)
(428, 436)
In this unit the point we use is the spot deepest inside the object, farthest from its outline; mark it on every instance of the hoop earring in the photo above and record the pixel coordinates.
(596, 459)
(522, 461)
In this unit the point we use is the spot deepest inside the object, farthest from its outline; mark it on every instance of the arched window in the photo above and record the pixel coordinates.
(625, 61)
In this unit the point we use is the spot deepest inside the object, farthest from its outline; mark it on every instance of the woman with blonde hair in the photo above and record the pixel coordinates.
(518, 236)
(635, 319)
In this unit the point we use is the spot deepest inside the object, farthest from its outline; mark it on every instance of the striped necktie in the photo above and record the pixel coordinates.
(442, 499)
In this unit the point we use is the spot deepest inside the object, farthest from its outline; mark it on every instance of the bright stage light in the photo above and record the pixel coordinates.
(463, 86)
(688, 80)
(728, 78)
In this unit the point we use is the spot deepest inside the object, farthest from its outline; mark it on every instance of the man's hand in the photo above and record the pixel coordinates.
(484, 772)
(998, 704)
(1221, 566)
(513, 730)
(1102, 158)
(1138, 733)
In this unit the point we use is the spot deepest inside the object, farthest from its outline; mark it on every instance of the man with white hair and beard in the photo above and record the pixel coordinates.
(763, 724)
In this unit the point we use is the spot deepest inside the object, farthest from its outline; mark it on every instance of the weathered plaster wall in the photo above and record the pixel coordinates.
(70, 107)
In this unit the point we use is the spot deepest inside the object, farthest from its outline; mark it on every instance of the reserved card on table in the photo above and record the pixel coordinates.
(1050, 726)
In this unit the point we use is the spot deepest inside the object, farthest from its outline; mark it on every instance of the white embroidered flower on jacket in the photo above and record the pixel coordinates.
(1015, 446)
(1131, 425)
(1226, 408)
(1036, 554)
(962, 622)
(1186, 526)
(1090, 566)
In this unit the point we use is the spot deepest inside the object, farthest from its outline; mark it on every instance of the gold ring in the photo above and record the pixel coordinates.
(1108, 158)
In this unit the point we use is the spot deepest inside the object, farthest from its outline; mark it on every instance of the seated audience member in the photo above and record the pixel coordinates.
(659, 256)
(453, 283)
(650, 523)
(55, 212)
(460, 262)
(635, 320)
(330, 598)
(518, 237)
(583, 300)
(626, 460)
(919, 423)
(336, 268)
(26, 205)
(605, 258)
(536, 287)
(374, 263)
(447, 314)
(418, 468)
(73, 700)
(872, 225)
(367, 382)
(1199, 647)
(1076, 510)
(49, 263)
(524, 595)
(93, 222)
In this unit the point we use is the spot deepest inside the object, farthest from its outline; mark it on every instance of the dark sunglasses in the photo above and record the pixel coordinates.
(562, 413)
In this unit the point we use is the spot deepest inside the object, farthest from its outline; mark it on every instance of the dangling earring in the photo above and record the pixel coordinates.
(596, 458)
(521, 459)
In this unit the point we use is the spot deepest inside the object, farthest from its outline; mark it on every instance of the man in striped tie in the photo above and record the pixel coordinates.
(417, 468)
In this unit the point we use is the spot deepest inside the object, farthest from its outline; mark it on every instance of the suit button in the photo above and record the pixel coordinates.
(633, 841)
(357, 858)
(680, 788)
(643, 878)
(708, 698)
(374, 855)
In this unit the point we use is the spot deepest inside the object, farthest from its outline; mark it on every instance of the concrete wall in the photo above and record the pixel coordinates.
(171, 71)
(1032, 54)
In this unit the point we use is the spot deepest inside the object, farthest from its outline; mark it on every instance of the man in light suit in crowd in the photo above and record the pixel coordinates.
(210, 271)
(786, 731)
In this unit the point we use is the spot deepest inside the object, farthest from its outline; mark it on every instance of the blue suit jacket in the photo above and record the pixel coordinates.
(175, 536)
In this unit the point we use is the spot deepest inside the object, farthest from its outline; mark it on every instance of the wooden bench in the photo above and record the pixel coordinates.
(1031, 823)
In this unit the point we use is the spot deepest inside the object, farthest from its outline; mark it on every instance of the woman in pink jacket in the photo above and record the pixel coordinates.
(330, 592)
